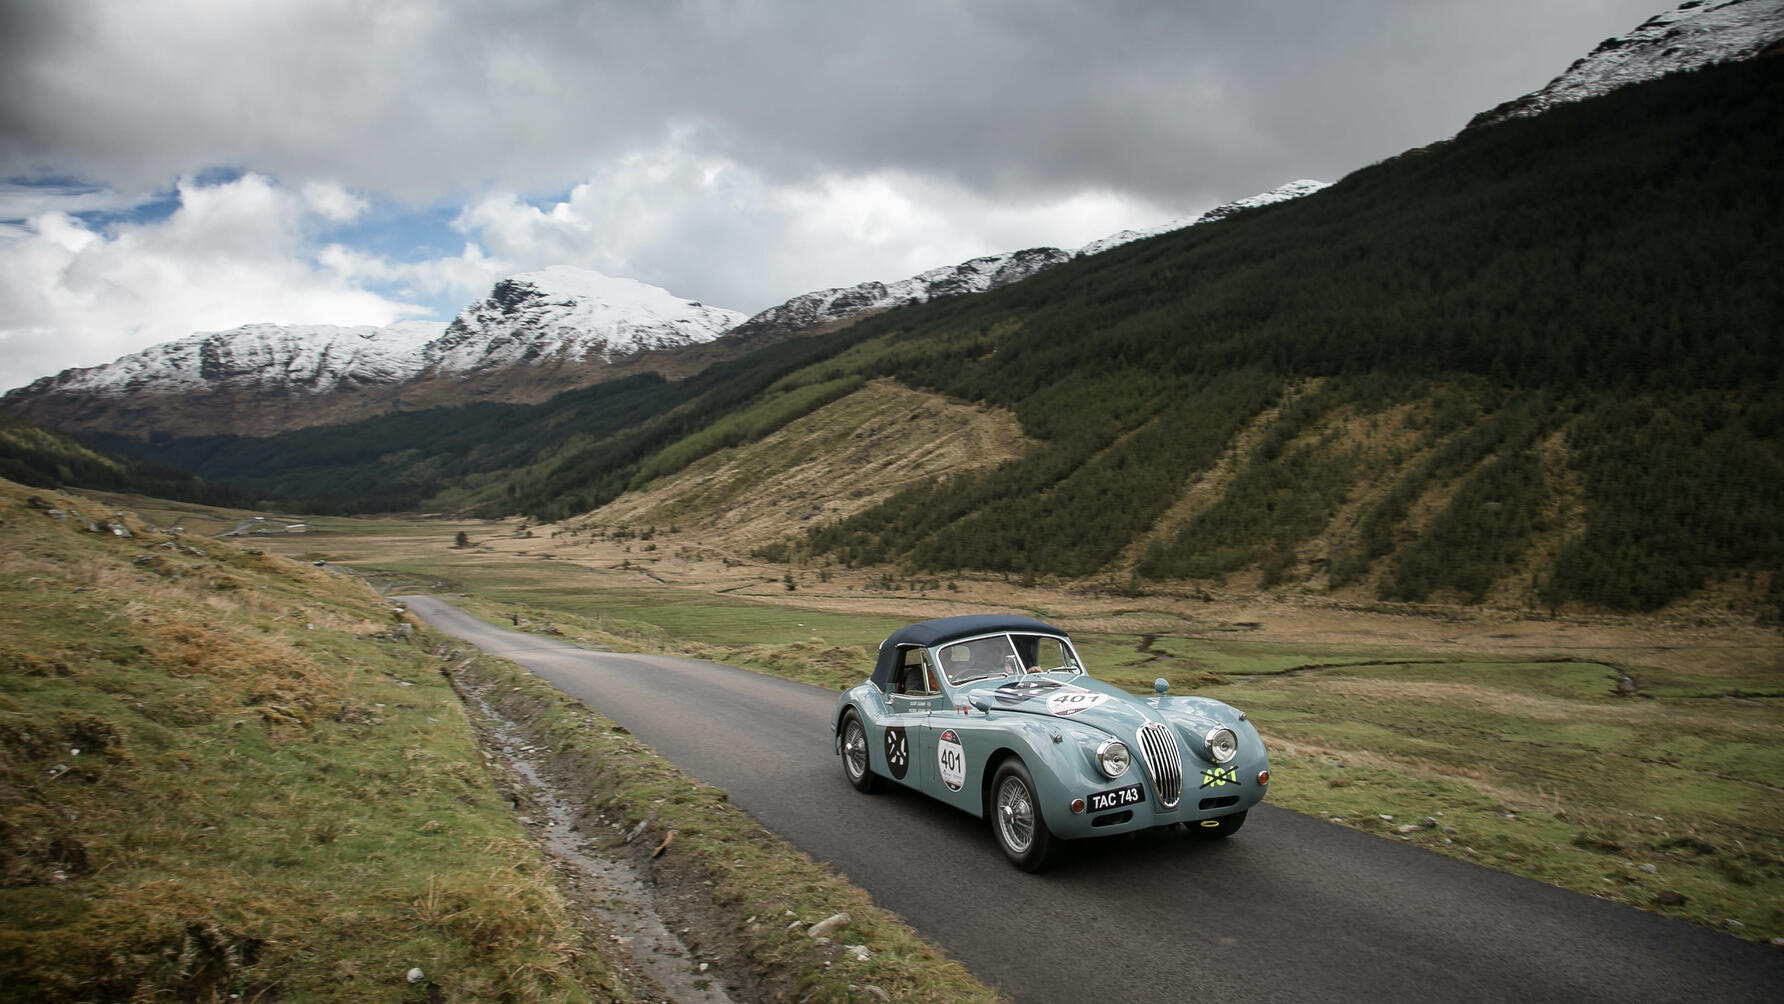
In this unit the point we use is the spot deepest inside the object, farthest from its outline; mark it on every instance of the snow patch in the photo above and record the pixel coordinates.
(1281, 193)
(1691, 35)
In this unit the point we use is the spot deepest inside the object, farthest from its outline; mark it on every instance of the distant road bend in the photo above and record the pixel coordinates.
(1292, 908)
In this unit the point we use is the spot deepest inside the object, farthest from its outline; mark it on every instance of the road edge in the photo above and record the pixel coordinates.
(744, 895)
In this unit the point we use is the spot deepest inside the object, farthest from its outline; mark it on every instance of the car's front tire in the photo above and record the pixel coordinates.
(1219, 827)
(854, 755)
(1016, 819)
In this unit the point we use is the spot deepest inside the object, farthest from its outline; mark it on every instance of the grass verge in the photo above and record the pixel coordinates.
(226, 774)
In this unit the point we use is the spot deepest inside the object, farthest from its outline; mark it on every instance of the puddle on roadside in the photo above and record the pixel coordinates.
(610, 888)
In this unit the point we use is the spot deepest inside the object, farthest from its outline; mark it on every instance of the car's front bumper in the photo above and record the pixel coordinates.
(1209, 792)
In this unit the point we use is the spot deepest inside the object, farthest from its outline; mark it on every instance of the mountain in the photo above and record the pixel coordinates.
(569, 317)
(1540, 365)
(312, 358)
(534, 335)
(1691, 35)
(255, 379)
(541, 333)
(830, 307)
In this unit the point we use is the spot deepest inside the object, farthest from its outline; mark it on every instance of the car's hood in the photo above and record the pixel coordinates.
(1077, 698)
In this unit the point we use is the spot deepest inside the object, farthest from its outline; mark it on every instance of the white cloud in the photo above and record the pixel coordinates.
(709, 228)
(460, 279)
(230, 254)
(332, 201)
(21, 202)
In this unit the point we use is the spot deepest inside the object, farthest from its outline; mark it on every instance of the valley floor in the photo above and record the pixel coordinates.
(1632, 758)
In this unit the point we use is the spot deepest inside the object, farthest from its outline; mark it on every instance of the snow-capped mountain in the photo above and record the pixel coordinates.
(1691, 35)
(535, 334)
(570, 315)
(311, 358)
(832, 306)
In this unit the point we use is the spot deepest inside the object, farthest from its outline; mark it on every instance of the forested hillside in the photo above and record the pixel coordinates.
(35, 456)
(1540, 364)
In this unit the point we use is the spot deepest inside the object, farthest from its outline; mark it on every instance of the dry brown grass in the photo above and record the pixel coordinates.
(842, 459)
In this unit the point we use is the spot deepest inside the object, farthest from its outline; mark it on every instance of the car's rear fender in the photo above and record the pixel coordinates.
(866, 701)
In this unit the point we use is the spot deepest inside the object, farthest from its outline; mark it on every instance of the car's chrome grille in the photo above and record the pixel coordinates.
(1163, 762)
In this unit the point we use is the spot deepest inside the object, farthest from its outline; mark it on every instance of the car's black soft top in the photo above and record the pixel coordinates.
(927, 633)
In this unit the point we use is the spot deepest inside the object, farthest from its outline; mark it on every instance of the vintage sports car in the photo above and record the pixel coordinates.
(995, 715)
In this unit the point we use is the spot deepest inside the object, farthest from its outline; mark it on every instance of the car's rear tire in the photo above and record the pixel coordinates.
(1016, 819)
(855, 763)
(1218, 827)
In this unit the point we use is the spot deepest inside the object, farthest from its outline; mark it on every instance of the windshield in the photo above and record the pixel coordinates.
(1006, 655)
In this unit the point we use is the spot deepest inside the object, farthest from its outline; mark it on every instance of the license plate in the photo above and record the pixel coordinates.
(1103, 801)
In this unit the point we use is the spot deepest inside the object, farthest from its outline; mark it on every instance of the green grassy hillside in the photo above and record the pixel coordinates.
(1542, 364)
(224, 774)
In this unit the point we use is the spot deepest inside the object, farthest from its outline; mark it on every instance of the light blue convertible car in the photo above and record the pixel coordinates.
(995, 715)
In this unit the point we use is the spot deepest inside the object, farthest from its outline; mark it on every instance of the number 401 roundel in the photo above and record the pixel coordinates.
(950, 756)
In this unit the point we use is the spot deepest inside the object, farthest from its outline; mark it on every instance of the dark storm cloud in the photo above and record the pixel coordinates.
(1169, 102)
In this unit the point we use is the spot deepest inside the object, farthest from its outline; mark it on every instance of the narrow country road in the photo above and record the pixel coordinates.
(1291, 908)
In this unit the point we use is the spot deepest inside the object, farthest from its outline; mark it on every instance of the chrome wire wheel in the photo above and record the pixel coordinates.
(1017, 822)
(854, 749)
(855, 764)
(1015, 814)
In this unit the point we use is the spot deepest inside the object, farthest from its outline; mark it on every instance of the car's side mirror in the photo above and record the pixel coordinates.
(978, 701)
(1162, 685)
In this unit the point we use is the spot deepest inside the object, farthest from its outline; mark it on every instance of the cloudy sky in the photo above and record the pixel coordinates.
(172, 166)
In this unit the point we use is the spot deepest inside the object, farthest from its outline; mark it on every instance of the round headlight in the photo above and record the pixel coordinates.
(1222, 744)
(1112, 757)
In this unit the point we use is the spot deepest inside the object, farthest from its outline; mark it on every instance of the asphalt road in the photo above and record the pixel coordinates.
(1290, 908)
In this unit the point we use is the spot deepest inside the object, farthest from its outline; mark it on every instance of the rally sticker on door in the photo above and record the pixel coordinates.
(951, 757)
(1068, 702)
(898, 753)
